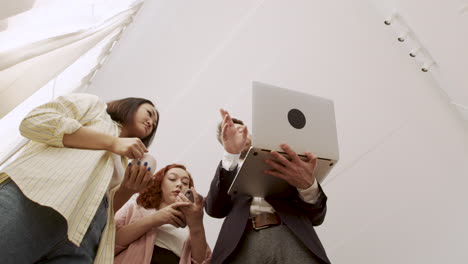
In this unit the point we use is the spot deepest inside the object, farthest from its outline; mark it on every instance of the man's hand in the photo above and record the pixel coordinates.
(296, 172)
(234, 138)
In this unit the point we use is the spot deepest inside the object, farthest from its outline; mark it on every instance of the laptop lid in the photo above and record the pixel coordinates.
(305, 122)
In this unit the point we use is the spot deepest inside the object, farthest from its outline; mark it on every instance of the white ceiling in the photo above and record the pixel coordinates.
(441, 27)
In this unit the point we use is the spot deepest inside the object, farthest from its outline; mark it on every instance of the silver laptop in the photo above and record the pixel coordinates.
(305, 122)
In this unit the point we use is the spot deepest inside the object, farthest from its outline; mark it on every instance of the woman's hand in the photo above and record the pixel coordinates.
(132, 148)
(193, 212)
(194, 217)
(136, 179)
(171, 214)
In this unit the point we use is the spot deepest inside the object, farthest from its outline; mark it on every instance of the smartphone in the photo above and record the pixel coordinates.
(189, 194)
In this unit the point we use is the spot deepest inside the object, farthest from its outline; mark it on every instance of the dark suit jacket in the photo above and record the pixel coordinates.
(297, 215)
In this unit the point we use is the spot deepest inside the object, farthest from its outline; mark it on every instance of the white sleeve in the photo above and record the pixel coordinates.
(230, 161)
(311, 194)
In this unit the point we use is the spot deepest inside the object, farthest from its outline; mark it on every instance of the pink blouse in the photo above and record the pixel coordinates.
(141, 250)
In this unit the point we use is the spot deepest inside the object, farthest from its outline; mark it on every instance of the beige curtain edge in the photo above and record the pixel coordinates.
(11, 92)
(12, 57)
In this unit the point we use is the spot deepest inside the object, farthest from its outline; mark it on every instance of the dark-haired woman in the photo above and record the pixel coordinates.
(163, 226)
(58, 198)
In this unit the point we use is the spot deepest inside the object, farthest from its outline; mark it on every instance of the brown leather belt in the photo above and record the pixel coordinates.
(263, 220)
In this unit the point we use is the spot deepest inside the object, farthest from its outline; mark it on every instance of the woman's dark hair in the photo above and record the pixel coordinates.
(151, 196)
(123, 111)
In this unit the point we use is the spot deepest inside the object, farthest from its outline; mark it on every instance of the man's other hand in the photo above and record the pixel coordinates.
(296, 172)
(234, 137)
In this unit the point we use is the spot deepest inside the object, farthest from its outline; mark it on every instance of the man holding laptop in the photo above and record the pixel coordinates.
(273, 200)
(273, 229)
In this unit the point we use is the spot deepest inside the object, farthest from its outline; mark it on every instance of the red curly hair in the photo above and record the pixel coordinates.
(150, 197)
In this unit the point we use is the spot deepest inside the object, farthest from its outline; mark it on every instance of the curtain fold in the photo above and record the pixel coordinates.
(25, 69)
(47, 67)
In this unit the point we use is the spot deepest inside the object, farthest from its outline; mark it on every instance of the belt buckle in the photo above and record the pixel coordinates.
(254, 225)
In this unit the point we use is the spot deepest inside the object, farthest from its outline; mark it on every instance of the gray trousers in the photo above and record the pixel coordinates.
(31, 233)
(272, 245)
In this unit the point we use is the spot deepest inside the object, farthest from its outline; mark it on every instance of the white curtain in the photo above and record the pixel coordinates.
(54, 57)
(41, 43)
(12, 8)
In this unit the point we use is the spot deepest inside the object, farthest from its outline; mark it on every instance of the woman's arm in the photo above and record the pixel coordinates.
(126, 234)
(62, 123)
(48, 123)
(194, 217)
(87, 138)
(198, 243)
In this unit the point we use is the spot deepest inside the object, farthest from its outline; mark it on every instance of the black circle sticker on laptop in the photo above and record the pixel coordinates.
(296, 118)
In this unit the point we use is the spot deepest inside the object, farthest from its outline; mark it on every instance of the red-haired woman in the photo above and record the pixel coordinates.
(153, 230)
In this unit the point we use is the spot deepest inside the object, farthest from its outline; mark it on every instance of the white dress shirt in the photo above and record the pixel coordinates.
(259, 204)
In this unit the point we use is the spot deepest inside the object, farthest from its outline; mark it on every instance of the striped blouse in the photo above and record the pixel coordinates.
(71, 181)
